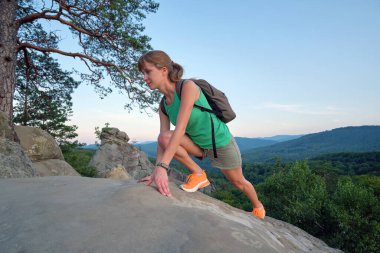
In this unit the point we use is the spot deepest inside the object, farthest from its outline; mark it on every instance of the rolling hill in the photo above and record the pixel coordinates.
(345, 139)
(243, 143)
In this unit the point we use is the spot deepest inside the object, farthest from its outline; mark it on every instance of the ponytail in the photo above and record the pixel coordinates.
(176, 72)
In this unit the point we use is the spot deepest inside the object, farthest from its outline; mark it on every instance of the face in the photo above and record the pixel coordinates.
(154, 76)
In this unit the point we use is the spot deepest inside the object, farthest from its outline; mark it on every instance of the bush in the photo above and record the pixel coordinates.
(86, 171)
(79, 160)
(354, 215)
(370, 182)
(295, 195)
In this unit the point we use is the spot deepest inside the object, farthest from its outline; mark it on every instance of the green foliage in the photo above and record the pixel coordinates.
(354, 218)
(109, 35)
(43, 97)
(79, 160)
(227, 193)
(353, 163)
(327, 171)
(256, 173)
(295, 195)
(370, 182)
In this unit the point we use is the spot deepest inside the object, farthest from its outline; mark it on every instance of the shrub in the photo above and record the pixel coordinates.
(295, 195)
(79, 160)
(354, 215)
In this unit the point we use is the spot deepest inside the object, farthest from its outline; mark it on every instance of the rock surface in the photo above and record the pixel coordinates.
(116, 152)
(54, 167)
(77, 214)
(38, 144)
(14, 162)
(118, 173)
(44, 152)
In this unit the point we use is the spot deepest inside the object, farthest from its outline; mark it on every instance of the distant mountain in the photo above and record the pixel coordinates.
(91, 146)
(281, 138)
(144, 142)
(346, 139)
(244, 144)
(150, 149)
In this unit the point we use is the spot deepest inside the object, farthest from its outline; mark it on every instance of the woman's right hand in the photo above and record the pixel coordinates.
(160, 178)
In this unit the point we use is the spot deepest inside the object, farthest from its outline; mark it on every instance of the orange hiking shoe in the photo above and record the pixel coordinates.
(195, 182)
(259, 212)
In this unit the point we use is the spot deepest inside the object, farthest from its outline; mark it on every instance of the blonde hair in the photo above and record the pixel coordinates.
(161, 59)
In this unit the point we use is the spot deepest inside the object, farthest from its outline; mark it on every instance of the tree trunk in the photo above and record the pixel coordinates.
(8, 51)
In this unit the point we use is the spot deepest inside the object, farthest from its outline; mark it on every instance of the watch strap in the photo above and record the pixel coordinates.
(163, 165)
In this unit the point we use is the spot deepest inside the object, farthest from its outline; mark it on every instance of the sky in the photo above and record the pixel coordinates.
(287, 67)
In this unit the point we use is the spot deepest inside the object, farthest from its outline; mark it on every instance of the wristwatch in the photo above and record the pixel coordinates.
(163, 165)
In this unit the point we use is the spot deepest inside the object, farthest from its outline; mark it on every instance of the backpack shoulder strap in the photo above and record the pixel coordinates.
(178, 87)
(162, 107)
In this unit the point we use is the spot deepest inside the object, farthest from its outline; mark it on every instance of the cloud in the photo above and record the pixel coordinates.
(302, 109)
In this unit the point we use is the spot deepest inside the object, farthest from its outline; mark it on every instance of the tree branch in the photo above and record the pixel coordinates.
(82, 56)
(30, 18)
(28, 65)
(43, 15)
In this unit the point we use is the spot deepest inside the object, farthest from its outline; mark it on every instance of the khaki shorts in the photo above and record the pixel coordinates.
(229, 157)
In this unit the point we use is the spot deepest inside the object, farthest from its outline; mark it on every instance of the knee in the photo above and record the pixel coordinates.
(163, 138)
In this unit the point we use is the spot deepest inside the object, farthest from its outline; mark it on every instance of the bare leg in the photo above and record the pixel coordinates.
(236, 177)
(185, 149)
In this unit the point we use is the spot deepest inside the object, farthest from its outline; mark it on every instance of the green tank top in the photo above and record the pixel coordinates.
(199, 126)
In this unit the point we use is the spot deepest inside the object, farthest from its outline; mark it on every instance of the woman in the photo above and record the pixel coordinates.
(191, 136)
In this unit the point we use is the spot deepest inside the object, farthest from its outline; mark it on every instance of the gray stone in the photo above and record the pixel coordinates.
(14, 162)
(54, 167)
(44, 152)
(118, 172)
(115, 151)
(113, 135)
(78, 214)
(38, 144)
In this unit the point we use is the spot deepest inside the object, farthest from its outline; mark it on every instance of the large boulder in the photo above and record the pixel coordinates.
(14, 162)
(78, 214)
(116, 156)
(116, 152)
(38, 144)
(118, 172)
(44, 152)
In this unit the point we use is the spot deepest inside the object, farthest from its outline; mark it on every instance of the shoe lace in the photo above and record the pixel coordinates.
(188, 177)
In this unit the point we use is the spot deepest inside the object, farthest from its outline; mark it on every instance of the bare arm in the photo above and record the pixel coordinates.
(160, 175)
(164, 126)
(190, 94)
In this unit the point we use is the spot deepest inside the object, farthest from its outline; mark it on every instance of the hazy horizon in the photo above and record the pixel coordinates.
(139, 141)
